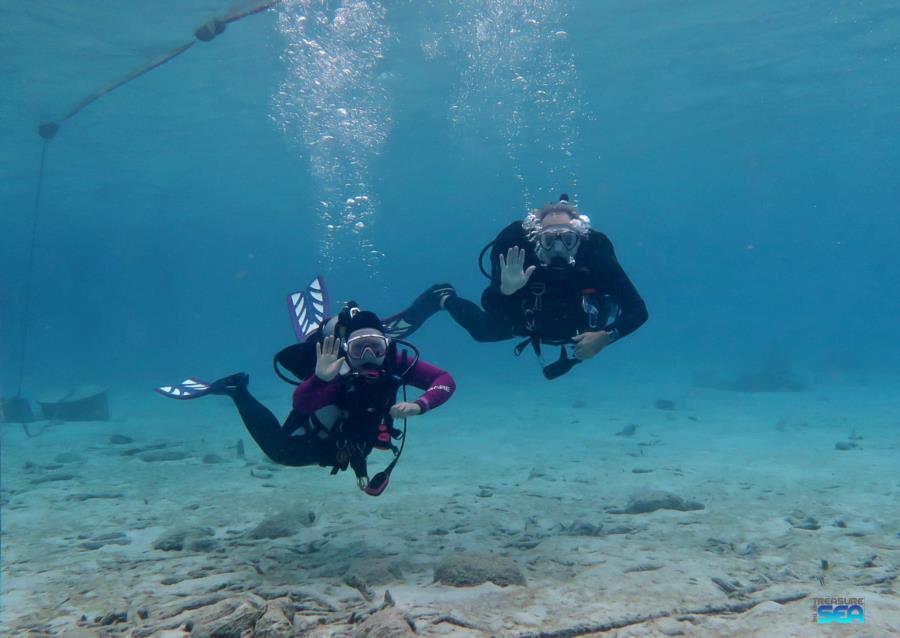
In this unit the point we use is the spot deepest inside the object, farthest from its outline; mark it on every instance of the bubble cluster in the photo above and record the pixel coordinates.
(521, 75)
(333, 103)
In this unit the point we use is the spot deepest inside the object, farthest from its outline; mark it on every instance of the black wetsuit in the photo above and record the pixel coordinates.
(280, 442)
(550, 306)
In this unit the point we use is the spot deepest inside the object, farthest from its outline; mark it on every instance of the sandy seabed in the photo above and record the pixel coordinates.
(172, 532)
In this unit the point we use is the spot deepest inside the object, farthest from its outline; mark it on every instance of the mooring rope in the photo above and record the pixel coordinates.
(29, 273)
(48, 130)
(204, 33)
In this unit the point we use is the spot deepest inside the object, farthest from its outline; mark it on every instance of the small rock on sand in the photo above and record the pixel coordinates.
(374, 572)
(100, 540)
(647, 501)
(582, 528)
(156, 456)
(120, 439)
(191, 538)
(114, 617)
(800, 520)
(281, 525)
(274, 623)
(386, 623)
(467, 569)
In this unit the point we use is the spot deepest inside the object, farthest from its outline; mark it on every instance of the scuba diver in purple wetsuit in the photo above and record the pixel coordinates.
(346, 403)
(554, 280)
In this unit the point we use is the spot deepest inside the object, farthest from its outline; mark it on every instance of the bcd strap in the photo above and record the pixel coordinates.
(553, 370)
(520, 348)
(360, 468)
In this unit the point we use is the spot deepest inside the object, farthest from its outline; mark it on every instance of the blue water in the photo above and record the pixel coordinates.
(742, 158)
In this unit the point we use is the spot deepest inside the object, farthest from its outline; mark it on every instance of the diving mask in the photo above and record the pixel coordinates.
(549, 237)
(366, 347)
(557, 245)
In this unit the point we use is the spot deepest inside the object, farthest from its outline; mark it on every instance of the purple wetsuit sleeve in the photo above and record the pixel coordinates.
(314, 394)
(438, 384)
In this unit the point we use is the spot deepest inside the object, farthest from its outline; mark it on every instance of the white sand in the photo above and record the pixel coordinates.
(720, 448)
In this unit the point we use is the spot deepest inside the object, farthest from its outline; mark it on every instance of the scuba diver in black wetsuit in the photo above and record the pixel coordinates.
(345, 405)
(554, 280)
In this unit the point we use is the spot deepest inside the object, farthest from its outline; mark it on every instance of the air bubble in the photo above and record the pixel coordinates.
(502, 38)
(333, 102)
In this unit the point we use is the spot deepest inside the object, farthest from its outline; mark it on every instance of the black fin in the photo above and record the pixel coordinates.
(407, 322)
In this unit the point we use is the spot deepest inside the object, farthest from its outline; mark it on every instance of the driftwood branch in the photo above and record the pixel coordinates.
(733, 608)
(453, 620)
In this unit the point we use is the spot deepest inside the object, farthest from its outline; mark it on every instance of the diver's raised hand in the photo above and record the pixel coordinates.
(404, 409)
(512, 274)
(328, 358)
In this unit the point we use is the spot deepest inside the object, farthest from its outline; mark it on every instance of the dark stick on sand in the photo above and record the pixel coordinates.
(734, 608)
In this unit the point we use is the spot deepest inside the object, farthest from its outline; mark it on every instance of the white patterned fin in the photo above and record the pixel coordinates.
(190, 388)
(308, 308)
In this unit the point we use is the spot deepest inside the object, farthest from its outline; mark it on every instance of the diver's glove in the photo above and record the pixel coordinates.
(512, 274)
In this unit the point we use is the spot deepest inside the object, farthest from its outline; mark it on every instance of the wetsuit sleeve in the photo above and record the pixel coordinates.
(314, 394)
(633, 310)
(439, 386)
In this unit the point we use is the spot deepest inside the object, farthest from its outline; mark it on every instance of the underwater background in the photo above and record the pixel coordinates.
(742, 157)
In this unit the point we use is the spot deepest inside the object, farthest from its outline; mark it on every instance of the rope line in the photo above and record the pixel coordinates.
(204, 33)
(48, 130)
(29, 276)
(128, 78)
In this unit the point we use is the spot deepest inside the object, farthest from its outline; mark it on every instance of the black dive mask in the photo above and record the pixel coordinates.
(556, 246)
